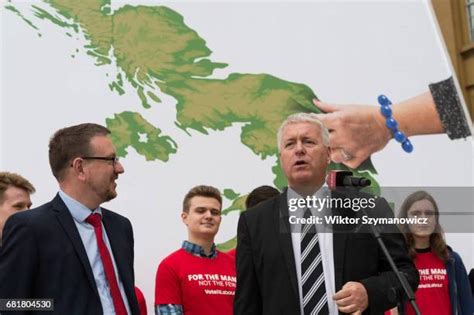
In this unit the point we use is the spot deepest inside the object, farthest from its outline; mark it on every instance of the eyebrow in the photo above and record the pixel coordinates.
(21, 203)
(303, 138)
(206, 208)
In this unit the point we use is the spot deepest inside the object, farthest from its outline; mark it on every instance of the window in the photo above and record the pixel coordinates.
(470, 17)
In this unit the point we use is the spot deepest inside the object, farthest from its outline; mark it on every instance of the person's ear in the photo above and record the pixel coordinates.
(184, 217)
(77, 166)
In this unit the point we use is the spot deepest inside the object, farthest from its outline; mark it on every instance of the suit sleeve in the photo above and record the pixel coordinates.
(132, 248)
(247, 295)
(384, 290)
(464, 294)
(133, 300)
(18, 258)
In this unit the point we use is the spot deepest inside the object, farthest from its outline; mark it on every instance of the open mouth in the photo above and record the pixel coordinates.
(300, 163)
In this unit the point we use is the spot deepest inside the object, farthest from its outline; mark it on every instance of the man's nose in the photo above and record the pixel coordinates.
(299, 148)
(119, 169)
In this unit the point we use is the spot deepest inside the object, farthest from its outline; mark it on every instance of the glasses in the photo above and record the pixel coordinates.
(114, 159)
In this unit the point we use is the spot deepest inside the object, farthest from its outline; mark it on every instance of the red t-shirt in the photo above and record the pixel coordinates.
(141, 301)
(202, 286)
(232, 253)
(432, 295)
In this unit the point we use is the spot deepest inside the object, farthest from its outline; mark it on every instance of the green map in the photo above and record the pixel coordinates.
(156, 52)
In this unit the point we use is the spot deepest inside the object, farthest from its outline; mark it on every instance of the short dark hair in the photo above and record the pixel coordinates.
(260, 194)
(71, 142)
(203, 191)
(8, 179)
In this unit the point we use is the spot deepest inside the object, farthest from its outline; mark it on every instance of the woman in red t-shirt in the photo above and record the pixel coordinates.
(444, 286)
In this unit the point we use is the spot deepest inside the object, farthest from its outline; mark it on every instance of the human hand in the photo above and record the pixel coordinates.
(352, 298)
(355, 131)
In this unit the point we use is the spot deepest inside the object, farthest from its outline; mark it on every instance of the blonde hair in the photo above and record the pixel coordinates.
(303, 118)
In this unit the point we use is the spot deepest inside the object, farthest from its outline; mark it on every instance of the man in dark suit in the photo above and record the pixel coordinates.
(72, 250)
(308, 271)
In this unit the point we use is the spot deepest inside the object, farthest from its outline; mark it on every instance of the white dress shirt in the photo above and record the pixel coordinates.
(325, 244)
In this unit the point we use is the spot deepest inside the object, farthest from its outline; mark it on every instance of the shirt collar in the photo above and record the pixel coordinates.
(197, 250)
(78, 211)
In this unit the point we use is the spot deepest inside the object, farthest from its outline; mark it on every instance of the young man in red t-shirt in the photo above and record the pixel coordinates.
(197, 279)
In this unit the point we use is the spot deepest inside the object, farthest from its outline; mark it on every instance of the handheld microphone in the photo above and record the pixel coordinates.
(345, 179)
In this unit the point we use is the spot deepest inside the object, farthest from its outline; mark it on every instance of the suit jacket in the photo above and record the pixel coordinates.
(43, 256)
(266, 272)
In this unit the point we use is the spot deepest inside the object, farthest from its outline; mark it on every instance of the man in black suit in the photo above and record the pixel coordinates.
(72, 250)
(280, 272)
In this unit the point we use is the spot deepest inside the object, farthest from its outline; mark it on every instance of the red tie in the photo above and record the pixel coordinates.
(95, 220)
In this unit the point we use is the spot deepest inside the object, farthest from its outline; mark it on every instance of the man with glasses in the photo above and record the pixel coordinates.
(72, 250)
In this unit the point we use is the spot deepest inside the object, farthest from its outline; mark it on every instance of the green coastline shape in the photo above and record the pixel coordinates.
(126, 129)
(155, 51)
(155, 48)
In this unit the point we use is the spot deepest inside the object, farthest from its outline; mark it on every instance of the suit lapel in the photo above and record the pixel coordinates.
(284, 234)
(67, 222)
(339, 246)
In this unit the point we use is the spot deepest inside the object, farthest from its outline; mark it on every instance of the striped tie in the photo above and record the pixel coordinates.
(315, 299)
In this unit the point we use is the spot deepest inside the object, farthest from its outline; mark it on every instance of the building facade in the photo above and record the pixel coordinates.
(456, 20)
